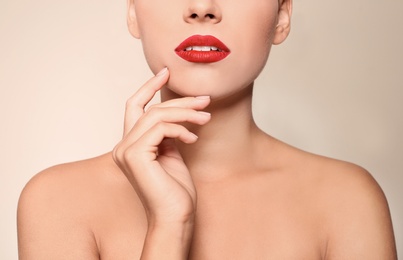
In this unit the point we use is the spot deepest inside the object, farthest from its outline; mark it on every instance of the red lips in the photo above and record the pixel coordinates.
(202, 49)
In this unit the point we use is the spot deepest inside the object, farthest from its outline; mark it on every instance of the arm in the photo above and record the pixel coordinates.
(149, 158)
(361, 224)
(168, 241)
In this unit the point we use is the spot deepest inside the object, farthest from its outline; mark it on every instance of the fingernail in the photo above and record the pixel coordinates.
(203, 97)
(194, 137)
(204, 113)
(162, 72)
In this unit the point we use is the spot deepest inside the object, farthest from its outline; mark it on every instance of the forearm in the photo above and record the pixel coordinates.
(168, 241)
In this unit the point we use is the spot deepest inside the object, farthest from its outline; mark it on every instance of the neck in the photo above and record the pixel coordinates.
(227, 138)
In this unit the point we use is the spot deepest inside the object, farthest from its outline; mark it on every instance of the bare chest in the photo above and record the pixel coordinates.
(231, 227)
(256, 232)
(227, 237)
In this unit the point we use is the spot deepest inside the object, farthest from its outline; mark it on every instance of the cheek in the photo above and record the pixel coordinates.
(255, 43)
(155, 26)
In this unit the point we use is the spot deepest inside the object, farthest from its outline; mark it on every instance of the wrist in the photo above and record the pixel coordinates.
(180, 228)
(170, 239)
(176, 220)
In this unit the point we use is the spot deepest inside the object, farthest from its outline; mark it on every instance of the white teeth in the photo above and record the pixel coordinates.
(202, 48)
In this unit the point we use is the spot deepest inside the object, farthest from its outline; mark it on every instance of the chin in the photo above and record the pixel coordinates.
(188, 85)
(185, 88)
(212, 89)
(205, 81)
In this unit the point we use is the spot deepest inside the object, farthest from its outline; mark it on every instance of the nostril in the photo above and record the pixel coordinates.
(201, 13)
(209, 16)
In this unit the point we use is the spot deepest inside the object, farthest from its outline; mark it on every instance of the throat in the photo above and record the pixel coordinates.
(230, 135)
(222, 147)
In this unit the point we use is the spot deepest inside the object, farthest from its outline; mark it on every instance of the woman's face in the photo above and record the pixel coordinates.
(203, 66)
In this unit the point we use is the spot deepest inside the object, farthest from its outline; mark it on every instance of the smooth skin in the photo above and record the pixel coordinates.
(195, 178)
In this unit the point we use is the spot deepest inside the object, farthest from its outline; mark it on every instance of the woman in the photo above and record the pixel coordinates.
(194, 177)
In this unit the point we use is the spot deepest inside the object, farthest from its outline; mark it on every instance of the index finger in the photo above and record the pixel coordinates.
(136, 103)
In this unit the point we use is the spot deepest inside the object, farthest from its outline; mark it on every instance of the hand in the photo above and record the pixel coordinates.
(149, 157)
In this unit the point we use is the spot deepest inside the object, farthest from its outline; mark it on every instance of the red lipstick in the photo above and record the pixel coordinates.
(202, 49)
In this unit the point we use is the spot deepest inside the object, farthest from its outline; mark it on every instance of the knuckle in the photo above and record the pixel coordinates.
(153, 106)
(131, 103)
(128, 155)
(169, 128)
(116, 155)
(154, 109)
(160, 126)
(154, 112)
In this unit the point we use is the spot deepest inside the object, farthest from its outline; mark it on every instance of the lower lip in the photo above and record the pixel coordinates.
(202, 56)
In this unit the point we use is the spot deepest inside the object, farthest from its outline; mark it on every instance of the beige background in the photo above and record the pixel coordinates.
(67, 67)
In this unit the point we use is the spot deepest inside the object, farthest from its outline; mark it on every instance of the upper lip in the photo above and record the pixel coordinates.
(202, 41)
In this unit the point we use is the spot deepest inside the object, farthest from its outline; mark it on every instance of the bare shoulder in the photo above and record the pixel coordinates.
(359, 219)
(62, 208)
(356, 212)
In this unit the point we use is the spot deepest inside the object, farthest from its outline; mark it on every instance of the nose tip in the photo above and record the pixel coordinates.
(202, 11)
